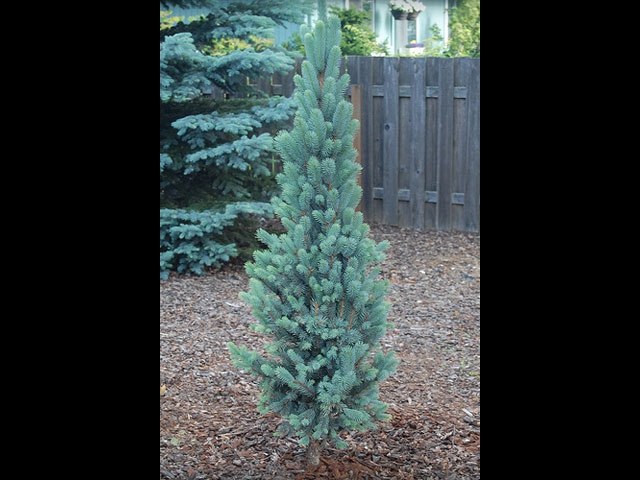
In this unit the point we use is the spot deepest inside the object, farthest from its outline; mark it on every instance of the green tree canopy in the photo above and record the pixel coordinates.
(464, 30)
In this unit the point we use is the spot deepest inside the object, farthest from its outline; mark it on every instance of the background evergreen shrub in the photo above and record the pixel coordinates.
(217, 156)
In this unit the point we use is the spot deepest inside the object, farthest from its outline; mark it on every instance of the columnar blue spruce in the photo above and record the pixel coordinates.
(316, 289)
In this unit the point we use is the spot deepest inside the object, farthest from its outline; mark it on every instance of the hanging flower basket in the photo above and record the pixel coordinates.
(400, 14)
(405, 9)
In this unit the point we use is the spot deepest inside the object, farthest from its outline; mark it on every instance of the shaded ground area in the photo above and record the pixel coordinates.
(210, 428)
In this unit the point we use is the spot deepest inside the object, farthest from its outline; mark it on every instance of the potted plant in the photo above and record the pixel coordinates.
(416, 8)
(406, 9)
(415, 48)
(400, 9)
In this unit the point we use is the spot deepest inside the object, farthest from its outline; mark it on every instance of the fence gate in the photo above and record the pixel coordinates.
(419, 140)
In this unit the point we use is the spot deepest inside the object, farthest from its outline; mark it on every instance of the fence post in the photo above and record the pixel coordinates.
(356, 101)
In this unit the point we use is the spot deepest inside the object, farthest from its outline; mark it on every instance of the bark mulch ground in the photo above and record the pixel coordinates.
(210, 428)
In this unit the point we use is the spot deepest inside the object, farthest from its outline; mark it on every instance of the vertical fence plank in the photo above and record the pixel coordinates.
(431, 144)
(377, 134)
(390, 142)
(356, 100)
(343, 66)
(445, 142)
(217, 93)
(264, 84)
(366, 126)
(287, 83)
(353, 69)
(472, 187)
(277, 79)
(406, 140)
(418, 135)
(461, 72)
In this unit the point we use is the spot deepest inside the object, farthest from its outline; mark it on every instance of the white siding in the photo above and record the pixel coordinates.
(420, 30)
(383, 23)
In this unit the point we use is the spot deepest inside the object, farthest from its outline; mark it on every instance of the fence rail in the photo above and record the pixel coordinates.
(419, 138)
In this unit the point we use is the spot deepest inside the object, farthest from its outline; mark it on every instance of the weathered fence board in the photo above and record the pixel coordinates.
(445, 143)
(406, 145)
(418, 122)
(377, 132)
(390, 139)
(419, 138)
(471, 220)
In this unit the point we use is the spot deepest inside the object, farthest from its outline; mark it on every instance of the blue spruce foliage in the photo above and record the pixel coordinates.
(216, 156)
(315, 290)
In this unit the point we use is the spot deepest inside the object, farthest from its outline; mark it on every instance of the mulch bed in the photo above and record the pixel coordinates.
(210, 428)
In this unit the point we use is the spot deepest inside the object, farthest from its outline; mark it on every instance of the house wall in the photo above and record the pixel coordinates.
(435, 13)
(385, 26)
(383, 23)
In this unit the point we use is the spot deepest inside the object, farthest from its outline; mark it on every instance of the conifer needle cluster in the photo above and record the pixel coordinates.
(316, 289)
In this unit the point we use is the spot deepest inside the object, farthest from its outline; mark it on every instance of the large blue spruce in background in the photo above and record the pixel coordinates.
(216, 154)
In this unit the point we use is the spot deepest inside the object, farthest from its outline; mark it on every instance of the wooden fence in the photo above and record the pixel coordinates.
(419, 138)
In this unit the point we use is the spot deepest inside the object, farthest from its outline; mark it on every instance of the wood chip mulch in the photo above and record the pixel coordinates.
(210, 428)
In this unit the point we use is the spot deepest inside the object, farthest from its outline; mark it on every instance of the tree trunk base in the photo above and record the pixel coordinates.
(313, 452)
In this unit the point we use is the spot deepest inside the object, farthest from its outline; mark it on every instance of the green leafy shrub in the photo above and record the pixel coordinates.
(357, 36)
(464, 30)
